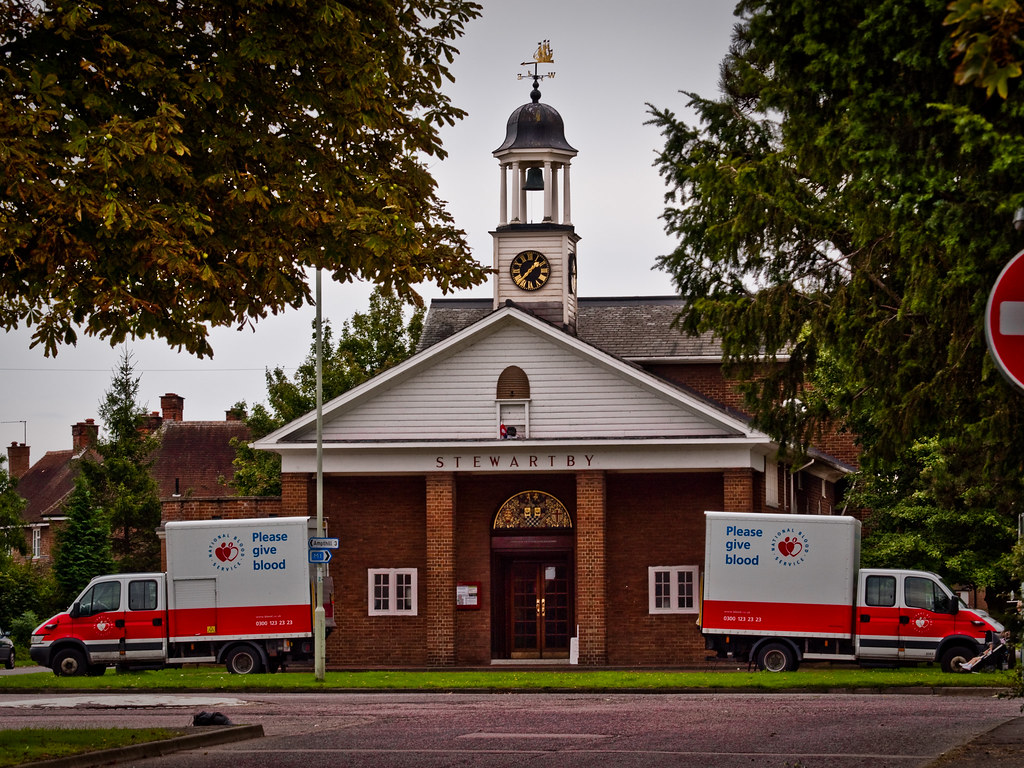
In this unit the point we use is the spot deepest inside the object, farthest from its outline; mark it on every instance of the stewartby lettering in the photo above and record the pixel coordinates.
(514, 462)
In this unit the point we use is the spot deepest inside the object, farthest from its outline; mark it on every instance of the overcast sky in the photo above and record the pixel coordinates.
(611, 59)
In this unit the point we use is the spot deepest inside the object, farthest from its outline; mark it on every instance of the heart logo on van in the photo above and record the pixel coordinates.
(791, 546)
(226, 552)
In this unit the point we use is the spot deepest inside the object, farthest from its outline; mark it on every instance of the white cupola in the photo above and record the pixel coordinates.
(535, 242)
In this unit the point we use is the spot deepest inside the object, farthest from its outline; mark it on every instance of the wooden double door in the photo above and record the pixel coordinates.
(539, 610)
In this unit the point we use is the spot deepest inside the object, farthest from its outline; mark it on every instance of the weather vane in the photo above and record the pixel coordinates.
(543, 55)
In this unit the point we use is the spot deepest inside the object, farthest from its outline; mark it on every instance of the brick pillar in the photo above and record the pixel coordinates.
(591, 577)
(298, 494)
(441, 569)
(739, 490)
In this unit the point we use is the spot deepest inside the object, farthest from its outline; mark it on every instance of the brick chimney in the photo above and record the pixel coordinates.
(173, 407)
(234, 414)
(17, 459)
(151, 423)
(84, 434)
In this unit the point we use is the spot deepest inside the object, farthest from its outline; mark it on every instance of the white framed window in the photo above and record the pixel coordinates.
(771, 483)
(37, 543)
(672, 588)
(392, 591)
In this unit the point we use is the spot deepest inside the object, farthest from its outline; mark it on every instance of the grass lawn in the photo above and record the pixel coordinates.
(809, 678)
(27, 745)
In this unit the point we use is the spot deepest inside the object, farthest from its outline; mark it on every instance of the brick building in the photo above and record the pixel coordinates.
(192, 466)
(531, 484)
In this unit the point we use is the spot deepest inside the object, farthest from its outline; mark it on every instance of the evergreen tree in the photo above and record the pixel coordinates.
(120, 482)
(83, 543)
(846, 200)
(12, 531)
(370, 343)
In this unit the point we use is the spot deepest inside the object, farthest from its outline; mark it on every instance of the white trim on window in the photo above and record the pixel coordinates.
(392, 591)
(672, 588)
(37, 543)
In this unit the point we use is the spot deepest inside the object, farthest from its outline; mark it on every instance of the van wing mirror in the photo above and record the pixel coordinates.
(76, 610)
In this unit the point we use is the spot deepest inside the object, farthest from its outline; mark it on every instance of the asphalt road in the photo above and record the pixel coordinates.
(544, 730)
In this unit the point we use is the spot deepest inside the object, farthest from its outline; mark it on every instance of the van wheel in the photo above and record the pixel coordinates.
(776, 657)
(954, 659)
(244, 660)
(9, 664)
(69, 663)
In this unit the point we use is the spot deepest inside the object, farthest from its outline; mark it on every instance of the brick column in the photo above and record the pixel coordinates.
(298, 494)
(591, 577)
(440, 611)
(739, 490)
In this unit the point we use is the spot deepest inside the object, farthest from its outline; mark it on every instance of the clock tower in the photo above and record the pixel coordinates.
(535, 242)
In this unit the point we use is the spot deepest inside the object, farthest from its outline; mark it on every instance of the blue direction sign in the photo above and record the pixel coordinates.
(322, 542)
(319, 555)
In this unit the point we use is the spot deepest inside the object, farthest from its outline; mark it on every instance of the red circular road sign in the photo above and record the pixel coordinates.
(1004, 320)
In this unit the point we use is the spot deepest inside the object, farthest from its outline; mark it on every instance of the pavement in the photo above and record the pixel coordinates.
(1000, 747)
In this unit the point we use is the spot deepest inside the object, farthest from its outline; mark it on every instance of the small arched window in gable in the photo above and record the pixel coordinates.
(513, 404)
(513, 384)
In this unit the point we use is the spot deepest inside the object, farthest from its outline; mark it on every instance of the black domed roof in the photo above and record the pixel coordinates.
(535, 126)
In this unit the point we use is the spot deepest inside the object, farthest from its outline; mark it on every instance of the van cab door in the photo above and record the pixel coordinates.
(928, 614)
(98, 620)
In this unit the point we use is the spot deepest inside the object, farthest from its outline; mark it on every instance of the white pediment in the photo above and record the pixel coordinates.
(578, 393)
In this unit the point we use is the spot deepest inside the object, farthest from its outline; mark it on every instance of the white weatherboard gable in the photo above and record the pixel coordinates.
(448, 393)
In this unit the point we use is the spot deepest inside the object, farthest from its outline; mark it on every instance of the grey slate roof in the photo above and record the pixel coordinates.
(631, 328)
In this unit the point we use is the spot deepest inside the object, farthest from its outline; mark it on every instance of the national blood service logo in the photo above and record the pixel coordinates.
(790, 547)
(226, 552)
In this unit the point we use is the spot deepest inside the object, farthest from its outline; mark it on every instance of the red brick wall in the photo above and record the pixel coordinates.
(381, 524)
(654, 519)
(709, 380)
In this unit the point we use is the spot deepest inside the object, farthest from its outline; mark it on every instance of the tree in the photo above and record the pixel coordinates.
(170, 167)
(83, 543)
(842, 213)
(369, 344)
(12, 532)
(120, 482)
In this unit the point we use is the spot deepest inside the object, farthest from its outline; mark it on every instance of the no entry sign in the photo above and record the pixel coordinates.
(1004, 321)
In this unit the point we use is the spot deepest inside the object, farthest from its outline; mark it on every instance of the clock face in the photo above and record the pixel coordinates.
(530, 270)
(572, 274)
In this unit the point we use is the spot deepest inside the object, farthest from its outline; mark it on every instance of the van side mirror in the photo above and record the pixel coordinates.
(76, 610)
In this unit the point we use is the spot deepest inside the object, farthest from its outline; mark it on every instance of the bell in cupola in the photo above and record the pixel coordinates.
(534, 180)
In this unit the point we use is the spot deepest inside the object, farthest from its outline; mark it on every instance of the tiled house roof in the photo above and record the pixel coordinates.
(47, 484)
(194, 458)
(637, 328)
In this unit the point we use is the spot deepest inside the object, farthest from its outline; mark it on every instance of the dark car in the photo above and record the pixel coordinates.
(6, 650)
